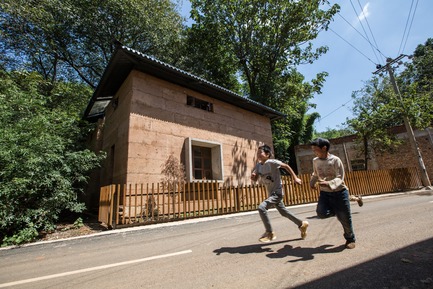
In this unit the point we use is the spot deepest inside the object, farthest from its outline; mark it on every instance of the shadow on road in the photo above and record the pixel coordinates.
(410, 267)
(303, 253)
(249, 249)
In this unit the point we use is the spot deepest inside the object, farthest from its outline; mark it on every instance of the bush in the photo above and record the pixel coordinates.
(43, 160)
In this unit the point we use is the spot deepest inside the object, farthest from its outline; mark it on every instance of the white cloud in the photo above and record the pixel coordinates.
(365, 12)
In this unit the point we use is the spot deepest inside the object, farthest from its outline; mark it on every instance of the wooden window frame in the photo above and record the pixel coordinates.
(216, 159)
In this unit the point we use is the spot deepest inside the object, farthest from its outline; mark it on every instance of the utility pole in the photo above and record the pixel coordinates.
(413, 143)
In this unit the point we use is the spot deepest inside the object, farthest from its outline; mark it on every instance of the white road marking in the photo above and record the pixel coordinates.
(93, 269)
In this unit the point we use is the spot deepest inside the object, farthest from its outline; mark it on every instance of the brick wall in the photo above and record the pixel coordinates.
(347, 150)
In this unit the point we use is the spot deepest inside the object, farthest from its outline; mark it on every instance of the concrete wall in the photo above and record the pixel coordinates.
(152, 121)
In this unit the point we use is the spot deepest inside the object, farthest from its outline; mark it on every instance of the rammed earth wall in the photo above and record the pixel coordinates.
(151, 120)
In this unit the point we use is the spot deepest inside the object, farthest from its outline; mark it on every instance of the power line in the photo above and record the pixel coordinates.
(365, 32)
(353, 46)
(366, 39)
(369, 28)
(400, 50)
(344, 104)
(374, 47)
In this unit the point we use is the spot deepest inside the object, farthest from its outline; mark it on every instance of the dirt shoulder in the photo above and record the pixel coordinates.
(70, 227)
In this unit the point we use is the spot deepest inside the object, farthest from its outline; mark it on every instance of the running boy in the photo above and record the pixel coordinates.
(267, 170)
(328, 172)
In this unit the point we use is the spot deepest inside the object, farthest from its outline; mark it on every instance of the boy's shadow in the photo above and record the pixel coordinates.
(248, 249)
(304, 254)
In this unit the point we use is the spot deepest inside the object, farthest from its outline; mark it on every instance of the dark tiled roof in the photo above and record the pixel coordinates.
(125, 59)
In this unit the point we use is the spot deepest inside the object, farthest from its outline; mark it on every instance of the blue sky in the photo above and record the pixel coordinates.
(392, 27)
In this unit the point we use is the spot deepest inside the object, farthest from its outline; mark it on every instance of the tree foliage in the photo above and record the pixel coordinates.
(292, 99)
(416, 86)
(331, 133)
(377, 107)
(262, 42)
(266, 38)
(74, 39)
(43, 162)
(420, 70)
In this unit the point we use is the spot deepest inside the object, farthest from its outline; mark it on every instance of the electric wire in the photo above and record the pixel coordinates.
(352, 46)
(369, 28)
(410, 14)
(365, 32)
(410, 27)
(357, 31)
(405, 27)
(374, 47)
(344, 104)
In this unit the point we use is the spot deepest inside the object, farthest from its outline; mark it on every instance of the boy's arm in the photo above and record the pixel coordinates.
(254, 175)
(292, 173)
(314, 178)
(338, 179)
(339, 176)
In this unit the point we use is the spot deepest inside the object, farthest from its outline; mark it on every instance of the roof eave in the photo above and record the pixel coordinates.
(124, 60)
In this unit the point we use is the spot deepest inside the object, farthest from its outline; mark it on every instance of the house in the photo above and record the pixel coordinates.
(350, 154)
(147, 111)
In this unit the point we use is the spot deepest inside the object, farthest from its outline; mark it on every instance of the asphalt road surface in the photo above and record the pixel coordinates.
(394, 249)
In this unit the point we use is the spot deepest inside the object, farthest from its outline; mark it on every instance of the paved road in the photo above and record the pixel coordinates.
(394, 250)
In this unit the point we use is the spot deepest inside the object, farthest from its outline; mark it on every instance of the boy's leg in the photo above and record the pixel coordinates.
(344, 215)
(286, 213)
(263, 212)
(302, 225)
(357, 199)
(324, 209)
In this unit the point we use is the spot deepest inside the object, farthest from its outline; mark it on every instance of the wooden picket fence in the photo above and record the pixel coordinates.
(140, 204)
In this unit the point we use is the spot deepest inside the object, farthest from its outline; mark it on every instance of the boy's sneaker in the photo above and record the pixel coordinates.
(350, 245)
(359, 200)
(303, 229)
(267, 237)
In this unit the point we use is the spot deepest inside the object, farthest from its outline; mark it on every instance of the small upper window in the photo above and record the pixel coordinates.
(198, 103)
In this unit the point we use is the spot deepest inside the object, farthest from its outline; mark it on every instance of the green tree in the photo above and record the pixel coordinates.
(75, 39)
(43, 162)
(420, 70)
(262, 42)
(331, 133)
(416, 86)
(266, 37)
(298, 127)
(376, 110)
(205, 57)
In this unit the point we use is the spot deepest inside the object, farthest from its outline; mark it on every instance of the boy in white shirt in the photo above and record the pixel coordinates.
(334, 200)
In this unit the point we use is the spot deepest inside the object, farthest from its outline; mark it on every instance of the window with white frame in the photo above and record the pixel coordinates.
(203, 160)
